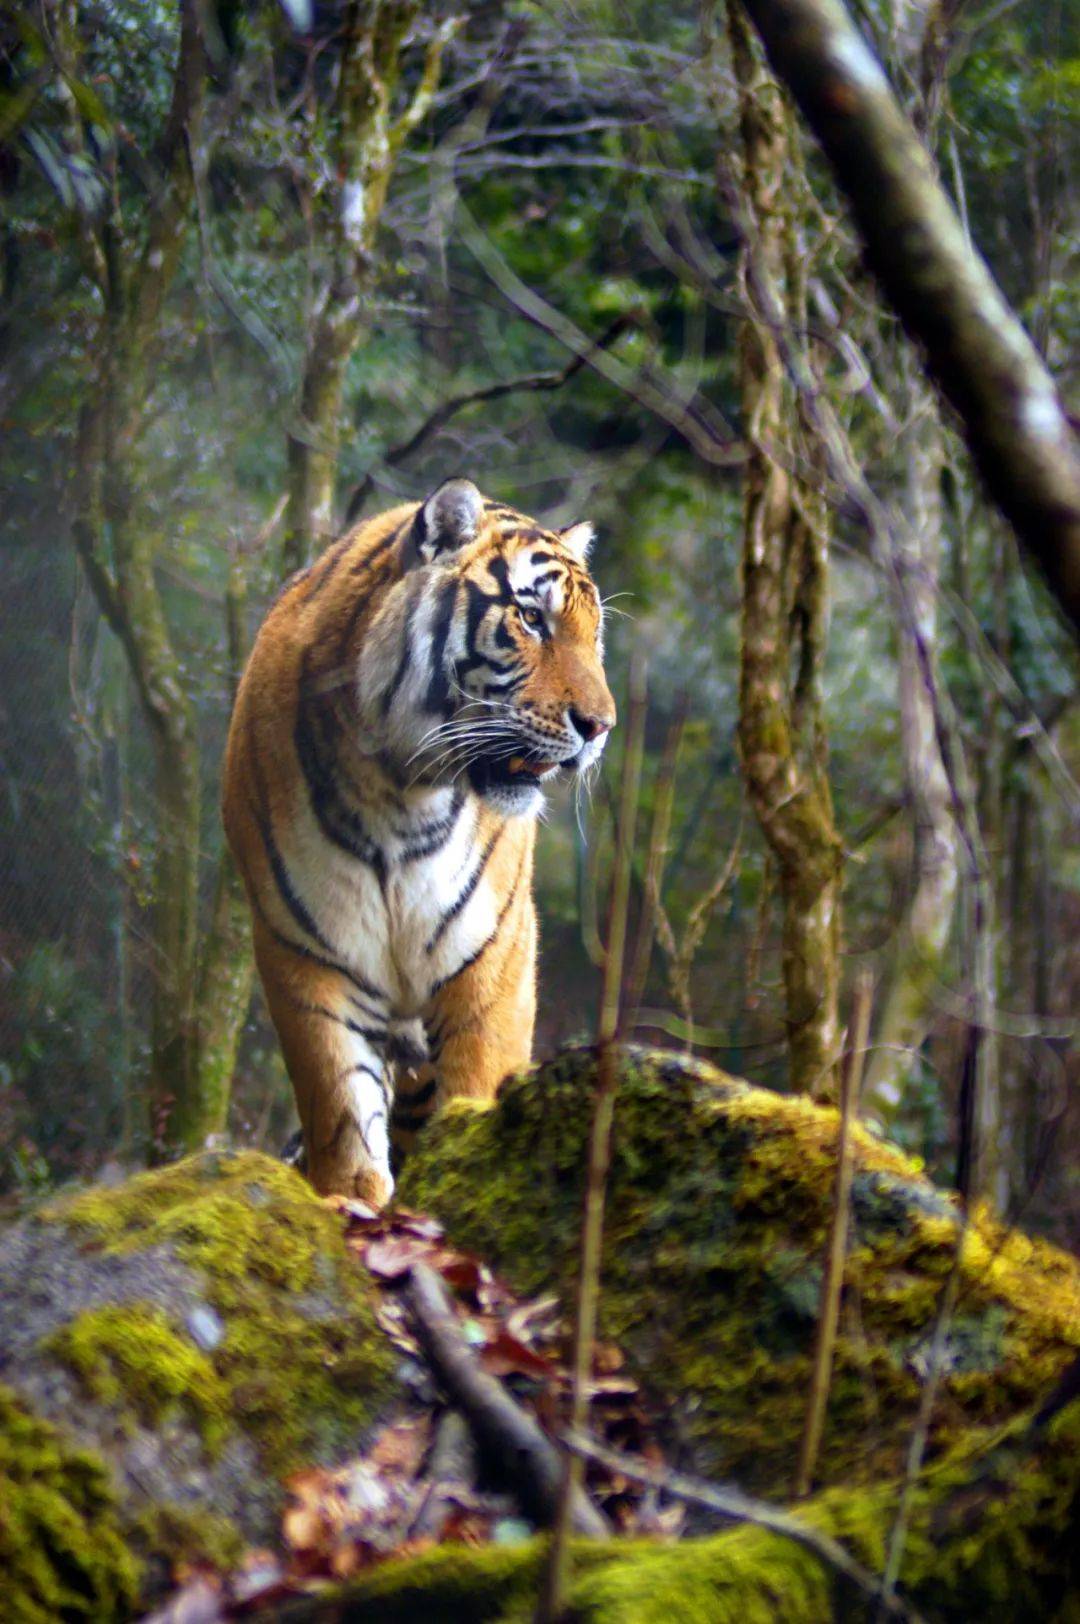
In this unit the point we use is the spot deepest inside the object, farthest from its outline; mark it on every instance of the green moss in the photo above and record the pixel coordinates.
(302, 1366)
(719, 1200)
(62, 1555)
(991, 1537)
(696, 1582)
(131, 1357)
(180, 1536)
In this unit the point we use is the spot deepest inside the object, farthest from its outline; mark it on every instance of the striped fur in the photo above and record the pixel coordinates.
(405, 699)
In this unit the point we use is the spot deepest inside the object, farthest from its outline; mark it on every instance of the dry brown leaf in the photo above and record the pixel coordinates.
(506, 1353)
(390, 1257)
(400, 1447)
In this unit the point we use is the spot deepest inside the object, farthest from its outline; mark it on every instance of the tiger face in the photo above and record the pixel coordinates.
(516, 690)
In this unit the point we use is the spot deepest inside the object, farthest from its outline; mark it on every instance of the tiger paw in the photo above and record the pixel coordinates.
(374, 1185)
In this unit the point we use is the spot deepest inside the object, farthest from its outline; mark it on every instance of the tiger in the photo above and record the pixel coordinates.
(405, 702)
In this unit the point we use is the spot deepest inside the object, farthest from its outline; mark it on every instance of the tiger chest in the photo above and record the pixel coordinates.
(411, 911)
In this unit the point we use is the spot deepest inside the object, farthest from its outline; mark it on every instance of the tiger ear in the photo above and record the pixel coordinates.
(578, 539)
(448, 519)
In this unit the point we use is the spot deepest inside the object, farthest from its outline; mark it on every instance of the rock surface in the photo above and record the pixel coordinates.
(196, 1333)
(718, 1206)
(170, 1349)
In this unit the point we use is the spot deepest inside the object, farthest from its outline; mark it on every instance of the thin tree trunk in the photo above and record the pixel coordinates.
(782, 531)
(118, 553)
(365, 150)
(226, 966)
(923, 933)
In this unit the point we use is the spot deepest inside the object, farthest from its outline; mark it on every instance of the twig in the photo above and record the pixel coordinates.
(510, 1441)
(921, 1432)
(530, 382)
(833, 1277)
(681, 954)
(556, 1573)
(663, 802)
(740, 1507)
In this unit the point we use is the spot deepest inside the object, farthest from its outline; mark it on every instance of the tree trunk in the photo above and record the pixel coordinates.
(980, 354)
(923, 933)
(783, 600)
(365, 149)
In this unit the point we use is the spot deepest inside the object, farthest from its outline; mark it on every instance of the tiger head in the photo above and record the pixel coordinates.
(514, 686)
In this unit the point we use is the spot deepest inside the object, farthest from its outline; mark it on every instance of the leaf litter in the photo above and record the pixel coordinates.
(398, 1498)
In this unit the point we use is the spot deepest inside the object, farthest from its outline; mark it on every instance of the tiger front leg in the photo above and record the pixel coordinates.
(334, 1043)
(481, 1023)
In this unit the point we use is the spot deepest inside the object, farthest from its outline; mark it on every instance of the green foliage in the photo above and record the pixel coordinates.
(61, 1041)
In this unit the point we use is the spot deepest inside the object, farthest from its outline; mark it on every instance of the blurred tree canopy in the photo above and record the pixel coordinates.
(263, 264)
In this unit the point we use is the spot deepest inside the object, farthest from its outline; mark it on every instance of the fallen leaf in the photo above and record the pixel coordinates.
(400, 1447)
(391, 1257)
(505, 1353)
(197, 1602)
(352, 1208)
(259, 1580)
(418, 1223)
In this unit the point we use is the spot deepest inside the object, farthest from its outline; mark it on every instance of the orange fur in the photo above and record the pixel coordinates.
(391, 969)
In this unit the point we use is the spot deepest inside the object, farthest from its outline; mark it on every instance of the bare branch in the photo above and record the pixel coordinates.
(554, 1584)
(832, 1279)
(509, 1438)
(695, 419)
(437, 419)
(424, 94)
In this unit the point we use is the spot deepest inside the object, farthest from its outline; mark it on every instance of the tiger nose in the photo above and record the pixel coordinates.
(590, 727)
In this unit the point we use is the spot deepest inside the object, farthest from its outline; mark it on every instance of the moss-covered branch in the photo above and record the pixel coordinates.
(977, 349)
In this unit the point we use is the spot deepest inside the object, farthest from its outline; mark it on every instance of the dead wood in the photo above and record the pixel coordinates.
(511, 1443)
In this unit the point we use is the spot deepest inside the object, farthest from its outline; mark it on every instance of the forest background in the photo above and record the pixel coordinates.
(268, 265)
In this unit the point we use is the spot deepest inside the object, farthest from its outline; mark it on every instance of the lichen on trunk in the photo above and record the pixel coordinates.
(781, 728)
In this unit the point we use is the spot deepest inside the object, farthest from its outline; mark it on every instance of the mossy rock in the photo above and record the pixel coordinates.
(718, 1205)
(991, 1536)
(173, 1347)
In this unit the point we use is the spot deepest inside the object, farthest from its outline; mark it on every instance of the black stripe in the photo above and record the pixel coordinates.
(363, 566)
(473, 881)
(282, 878)
(363, 987)
(364, 1071)
(365, 1008)
(438, 691)
(286, 890)
(416, 1097)
(499, 570)
(315, 740)
(366, 988)
(413, 592)
(482, 949)
(434, 836)
(375, 1035)
(330, 563)
(382, 546)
